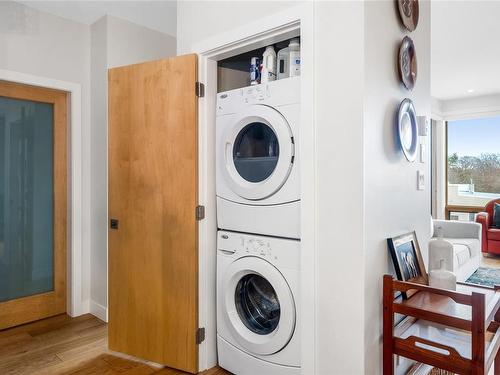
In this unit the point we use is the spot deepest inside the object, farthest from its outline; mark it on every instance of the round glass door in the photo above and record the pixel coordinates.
(256, 152)
(257, 304)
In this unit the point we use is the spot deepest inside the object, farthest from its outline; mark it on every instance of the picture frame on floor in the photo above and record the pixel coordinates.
(407, 259)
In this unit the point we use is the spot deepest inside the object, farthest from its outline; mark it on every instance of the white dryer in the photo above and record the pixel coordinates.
(257, 297)
(257, 166)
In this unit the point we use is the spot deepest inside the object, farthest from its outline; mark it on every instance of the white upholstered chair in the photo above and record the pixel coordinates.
(459, 245)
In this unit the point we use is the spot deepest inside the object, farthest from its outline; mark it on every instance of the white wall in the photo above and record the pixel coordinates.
(338, 110)
(40, 44)
(99, 207)
(129, 43)
(199, 20)
(115, 42)
(392, 203)
(154, 14)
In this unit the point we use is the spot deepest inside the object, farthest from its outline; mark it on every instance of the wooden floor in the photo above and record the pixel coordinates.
(491, 261)
(64, 345)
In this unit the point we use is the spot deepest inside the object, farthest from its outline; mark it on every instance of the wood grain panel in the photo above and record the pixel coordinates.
(153, 256)
(27, 309)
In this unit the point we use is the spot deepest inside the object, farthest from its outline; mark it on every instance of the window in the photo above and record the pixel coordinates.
(473, 166)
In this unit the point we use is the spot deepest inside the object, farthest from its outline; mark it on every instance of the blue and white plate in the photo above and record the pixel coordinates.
(407, 129)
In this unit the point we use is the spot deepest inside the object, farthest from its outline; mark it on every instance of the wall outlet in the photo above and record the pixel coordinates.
(420, 180)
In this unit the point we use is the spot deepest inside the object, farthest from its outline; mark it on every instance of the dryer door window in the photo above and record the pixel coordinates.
(257, 304)
(256, 152)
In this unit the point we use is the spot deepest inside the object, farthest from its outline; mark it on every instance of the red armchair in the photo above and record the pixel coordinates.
(490, 237)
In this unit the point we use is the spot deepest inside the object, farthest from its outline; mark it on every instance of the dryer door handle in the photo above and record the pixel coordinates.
(228, 153)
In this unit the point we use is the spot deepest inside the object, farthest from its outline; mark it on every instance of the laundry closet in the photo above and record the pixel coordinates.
(156, 212)
(257, 134)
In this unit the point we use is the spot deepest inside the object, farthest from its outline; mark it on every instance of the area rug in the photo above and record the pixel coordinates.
(485, 276)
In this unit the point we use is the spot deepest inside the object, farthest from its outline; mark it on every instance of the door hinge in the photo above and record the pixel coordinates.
(200, 90)
(200, 335)
(200, 212)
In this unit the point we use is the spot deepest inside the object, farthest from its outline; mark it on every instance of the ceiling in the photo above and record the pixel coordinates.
(465, 48)
(156, 15)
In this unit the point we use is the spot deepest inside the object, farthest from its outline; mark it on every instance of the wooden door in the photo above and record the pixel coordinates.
(33, 203)
(153, 250)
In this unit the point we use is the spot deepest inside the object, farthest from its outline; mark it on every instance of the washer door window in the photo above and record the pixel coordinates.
(259, 153)
(259, 306)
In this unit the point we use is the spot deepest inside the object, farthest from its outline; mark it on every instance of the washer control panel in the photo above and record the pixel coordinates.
(242, 244)
(279, 251)
(256, 246)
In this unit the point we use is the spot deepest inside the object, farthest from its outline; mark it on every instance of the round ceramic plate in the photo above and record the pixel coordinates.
(407, 63)
(407, 129)
(408, 11)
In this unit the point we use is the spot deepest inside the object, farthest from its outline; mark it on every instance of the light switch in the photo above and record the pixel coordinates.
(420, 180)
(423, 125)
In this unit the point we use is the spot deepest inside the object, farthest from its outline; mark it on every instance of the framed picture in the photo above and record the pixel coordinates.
(407, 259)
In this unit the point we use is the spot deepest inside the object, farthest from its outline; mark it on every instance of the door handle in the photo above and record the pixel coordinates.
(227, 252)
(228, 153)
(113, 224)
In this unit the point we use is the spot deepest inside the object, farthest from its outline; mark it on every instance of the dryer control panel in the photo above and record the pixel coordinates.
(274, 94)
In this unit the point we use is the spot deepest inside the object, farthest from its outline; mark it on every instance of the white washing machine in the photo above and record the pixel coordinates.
(257, 166)
(257, 297)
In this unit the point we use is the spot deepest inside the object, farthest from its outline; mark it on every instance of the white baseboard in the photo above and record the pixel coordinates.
(99, 311)
(79, 309)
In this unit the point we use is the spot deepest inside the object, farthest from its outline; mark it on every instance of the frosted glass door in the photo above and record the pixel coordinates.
(33, 203)
(26, 198)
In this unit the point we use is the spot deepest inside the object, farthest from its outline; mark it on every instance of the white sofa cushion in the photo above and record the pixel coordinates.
(462, 254)
(473, 244)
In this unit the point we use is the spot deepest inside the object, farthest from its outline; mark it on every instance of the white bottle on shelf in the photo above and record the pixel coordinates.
(294, 47)
(268, 72)
(284, 63)
(442, 278)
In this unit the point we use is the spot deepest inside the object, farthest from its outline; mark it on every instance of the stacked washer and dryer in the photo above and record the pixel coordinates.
(258, 215)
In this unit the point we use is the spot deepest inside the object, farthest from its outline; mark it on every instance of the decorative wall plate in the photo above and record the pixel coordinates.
(408, 11)
(408, 129)
(407, 63)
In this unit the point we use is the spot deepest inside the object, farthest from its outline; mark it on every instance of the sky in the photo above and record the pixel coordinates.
(474, 137)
